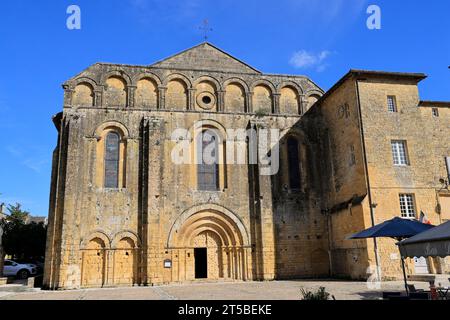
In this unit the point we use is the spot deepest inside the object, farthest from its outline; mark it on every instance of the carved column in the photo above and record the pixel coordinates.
(98, 98)
(276, 103)
(130, 96)
(68, 96)
(249, 102)
(221, 100)
(303, 102)
(191, 99)
(162, 97)
(109, 270)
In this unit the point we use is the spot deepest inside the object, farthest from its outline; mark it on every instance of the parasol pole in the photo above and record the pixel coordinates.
(405, 279)
(404, 275)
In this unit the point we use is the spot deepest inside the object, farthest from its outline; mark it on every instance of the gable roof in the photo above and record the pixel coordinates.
(205, 56)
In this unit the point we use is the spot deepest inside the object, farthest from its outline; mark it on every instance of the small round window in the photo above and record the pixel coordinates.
(206, 100)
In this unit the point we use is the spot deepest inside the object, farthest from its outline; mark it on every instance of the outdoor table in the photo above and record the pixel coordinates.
(443, 292)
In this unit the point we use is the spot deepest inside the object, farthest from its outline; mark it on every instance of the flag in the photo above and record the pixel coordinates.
(424, 218)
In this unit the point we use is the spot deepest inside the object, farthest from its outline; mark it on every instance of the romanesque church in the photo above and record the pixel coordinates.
(123, 212)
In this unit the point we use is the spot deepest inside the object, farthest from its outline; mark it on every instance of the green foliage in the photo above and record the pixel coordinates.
(22, 240)
(320, 294)
(261, 113)
(16, 213)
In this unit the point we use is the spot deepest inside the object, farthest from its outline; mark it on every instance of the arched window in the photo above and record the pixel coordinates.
(293, 163)
(208, 161)
(112, 157)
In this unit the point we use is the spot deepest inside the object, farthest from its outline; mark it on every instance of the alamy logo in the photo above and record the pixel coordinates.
(74, 20)
(374, 20)
(374, 280)
(235, 146)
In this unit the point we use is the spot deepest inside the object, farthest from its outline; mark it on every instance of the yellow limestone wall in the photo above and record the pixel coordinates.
(253, 227)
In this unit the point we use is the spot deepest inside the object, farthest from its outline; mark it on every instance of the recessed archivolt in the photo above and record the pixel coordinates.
(83, 94)
(146, 94)
(119, 74)
(237, 81)
(264, 83)
(219, 233)
(216, 126)
(290, 84)
(312, 97)
(208, 79)
(146, 75)
(122, 130)
(315, 93)
(290, 100)
(177, 76)
(294, 133)
(125, 235)
(235, 95)
(96, 235)
(82, 80)
(208, 220)
(213, 221)
(211, 217)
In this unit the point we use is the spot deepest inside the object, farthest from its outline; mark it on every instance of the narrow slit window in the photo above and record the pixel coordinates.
(293, 163)
(208, 169)
(112, 155)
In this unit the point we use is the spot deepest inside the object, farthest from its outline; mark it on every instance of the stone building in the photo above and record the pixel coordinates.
(123, 211)
(384, 153)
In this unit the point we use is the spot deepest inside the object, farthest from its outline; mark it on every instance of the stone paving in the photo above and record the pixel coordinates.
(274, 290)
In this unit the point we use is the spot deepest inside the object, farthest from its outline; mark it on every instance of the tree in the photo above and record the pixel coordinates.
(17, 214)
(22, 240)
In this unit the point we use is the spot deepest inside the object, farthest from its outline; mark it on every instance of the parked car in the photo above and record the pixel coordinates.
(39, 266)
(19, 270)
(37, 262)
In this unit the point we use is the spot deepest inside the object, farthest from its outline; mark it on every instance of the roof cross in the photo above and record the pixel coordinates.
(205, 28)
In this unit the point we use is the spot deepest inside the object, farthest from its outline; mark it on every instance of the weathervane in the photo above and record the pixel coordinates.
(205, 28)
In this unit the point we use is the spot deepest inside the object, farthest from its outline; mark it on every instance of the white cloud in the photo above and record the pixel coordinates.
(34, 158)
(305, 59)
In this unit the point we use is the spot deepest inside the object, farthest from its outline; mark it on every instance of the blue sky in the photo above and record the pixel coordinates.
(322, 39)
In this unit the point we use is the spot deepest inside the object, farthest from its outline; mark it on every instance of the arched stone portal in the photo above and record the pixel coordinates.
(214, 240)
(125, 264)
(93, 264)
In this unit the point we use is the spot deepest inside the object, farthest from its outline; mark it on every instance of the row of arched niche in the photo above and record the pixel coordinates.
(177, 92)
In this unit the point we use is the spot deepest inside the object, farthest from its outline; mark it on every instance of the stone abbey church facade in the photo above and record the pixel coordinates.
(122, 212)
